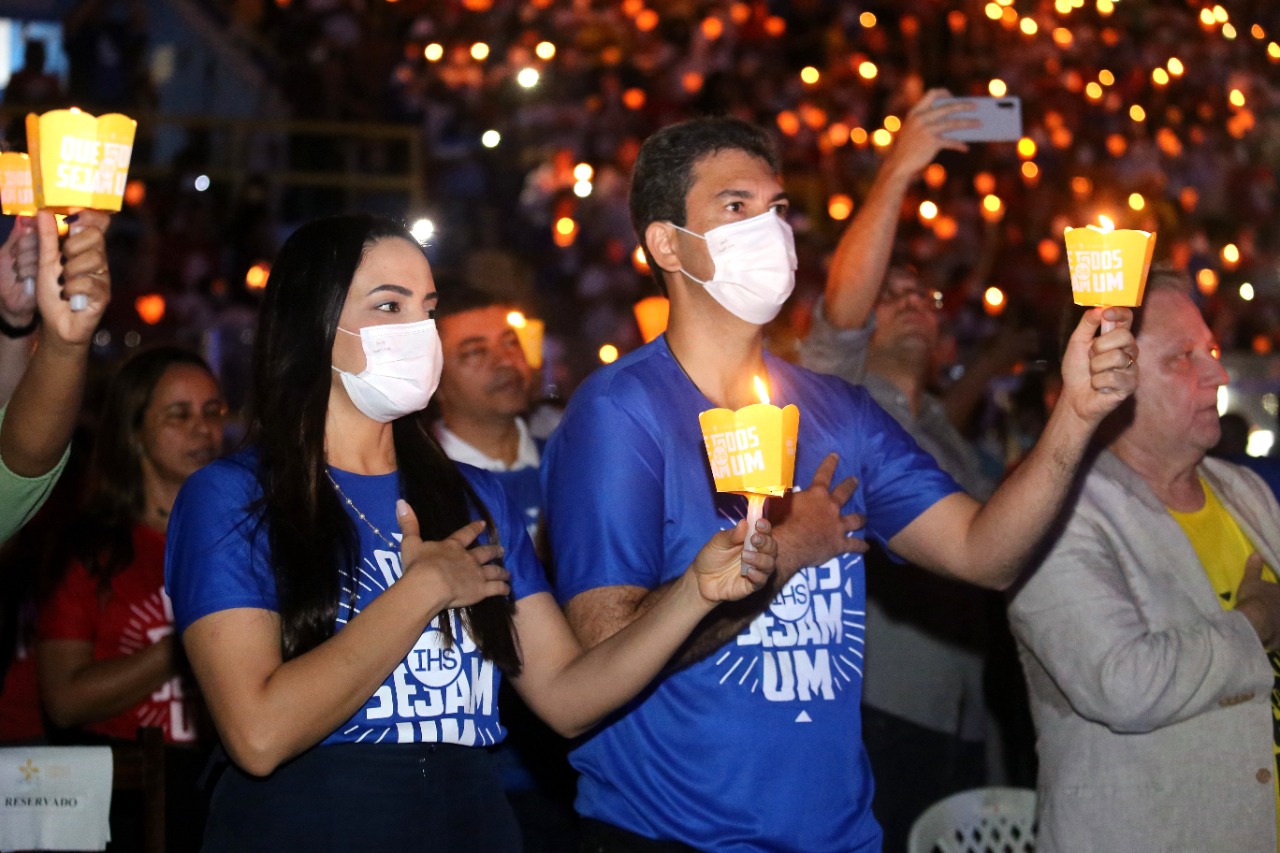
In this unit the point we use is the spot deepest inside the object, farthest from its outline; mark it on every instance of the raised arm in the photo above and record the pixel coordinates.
(268, 710)
(17, 306)
(863, 253)
(988, 544)
(43, 410)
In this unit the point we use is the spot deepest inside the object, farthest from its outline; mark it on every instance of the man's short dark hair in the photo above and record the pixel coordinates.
(458, 298)
(663, 172)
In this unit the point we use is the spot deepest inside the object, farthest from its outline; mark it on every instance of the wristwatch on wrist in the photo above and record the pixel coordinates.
(19, 331)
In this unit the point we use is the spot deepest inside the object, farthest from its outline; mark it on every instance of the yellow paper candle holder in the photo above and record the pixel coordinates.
(78, 160)
(529, 332)
(752, 452)
(17, 196)
(1108, 266)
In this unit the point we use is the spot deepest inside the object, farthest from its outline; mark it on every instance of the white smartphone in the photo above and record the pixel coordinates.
(1000, 119)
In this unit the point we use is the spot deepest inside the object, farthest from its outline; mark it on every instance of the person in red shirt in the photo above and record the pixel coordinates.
(106, 658)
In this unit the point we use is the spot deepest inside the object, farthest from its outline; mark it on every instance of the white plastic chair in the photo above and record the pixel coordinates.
(983, 820)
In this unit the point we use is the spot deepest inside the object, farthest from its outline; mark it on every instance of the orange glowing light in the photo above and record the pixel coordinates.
(1160, 77)
(691, 81)
(631, 8)
(839, 207)
(1273, 52)
(1236, 98)
(479, 51)
(545, 50)
(867, 19)
(1030, 171)
(928, 211)
(646, 20)
(565, 232)
(935, 175)
(1026, 148)
(956, 21)
(135, 192)
(740, 13)
(652, 314)
(150, 308)
(633, 99)
(1207, 281)
(993, 11)
(838, 134)
(1258, 32)
(256, 277)
(993, 301)
(858, 136)
(1105, 223)
(892, 123)
(1081, 185)
(1175, 66)
(712, 28)
(1049, 251)
(1230, 255)
(762, 391)
(1137, 113)
(881, 138)
(1062, 37)
(1106, 78)
(433, 52)
(1117, 145)
(984, 182)
(788, 122)
(945, 227)
(639, 261)
(992, 208)
(1188, 198)
(1261, 345)
(1136, 201)
(775, 26)
(867, 70)
(1061, 137)
(1093, 91)
(1028, 26)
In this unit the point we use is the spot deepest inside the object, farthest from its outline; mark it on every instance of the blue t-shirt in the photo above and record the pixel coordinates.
(758, 746)
(218, 558)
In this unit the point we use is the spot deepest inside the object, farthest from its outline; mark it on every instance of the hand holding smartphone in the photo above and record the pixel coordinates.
(999, 119)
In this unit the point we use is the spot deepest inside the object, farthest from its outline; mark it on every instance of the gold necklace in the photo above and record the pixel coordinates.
(356, 510)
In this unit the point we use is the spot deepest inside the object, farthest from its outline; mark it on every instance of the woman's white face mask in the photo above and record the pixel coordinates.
(402, 369)
(754, 266)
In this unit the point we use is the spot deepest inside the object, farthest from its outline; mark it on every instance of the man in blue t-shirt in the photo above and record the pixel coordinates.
(752, 741)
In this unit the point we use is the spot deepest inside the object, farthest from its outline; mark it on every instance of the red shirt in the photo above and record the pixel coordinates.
(134, 615)
(20, 717)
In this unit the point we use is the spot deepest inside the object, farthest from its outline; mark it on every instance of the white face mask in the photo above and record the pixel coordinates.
(402, 369)
(754, 266)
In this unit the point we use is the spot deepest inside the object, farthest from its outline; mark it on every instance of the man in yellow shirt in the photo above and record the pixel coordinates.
(1148, 632)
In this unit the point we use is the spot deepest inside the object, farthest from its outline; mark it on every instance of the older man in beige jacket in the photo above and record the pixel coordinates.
(1148, 630)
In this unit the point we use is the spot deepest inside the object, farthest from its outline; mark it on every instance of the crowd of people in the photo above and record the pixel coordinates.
(376, 592)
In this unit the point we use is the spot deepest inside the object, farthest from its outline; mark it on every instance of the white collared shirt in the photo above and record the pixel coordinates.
(460, 451)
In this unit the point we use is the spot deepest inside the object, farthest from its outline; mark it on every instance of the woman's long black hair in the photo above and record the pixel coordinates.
(312, 540)
(115, 497)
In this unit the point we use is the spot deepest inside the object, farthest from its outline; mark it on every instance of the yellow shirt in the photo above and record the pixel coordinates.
(1223, 548)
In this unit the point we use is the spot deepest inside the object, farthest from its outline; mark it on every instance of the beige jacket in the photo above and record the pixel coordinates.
(1152, 704)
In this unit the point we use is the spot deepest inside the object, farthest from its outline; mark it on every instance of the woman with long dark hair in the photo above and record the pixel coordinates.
(106, 657)
(347, 595)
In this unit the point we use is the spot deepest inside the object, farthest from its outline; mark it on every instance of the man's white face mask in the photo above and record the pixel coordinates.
(402, 369)
(754, 266)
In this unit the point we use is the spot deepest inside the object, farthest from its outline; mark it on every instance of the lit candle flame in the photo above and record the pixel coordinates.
(762, 390)
(516, 320)
(1107, 225)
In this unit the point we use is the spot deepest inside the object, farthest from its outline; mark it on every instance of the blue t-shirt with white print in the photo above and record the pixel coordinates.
(758, 746)
(218, 558)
